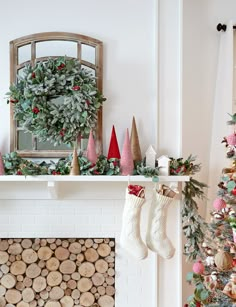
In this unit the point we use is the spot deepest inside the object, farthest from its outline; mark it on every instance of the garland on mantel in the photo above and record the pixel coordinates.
(193, 224)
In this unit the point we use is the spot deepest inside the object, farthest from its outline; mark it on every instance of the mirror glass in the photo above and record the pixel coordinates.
(25, 141)
(24, 54)
(56, 48)
(88, 53)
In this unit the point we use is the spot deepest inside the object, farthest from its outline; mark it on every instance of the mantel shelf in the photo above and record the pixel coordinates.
(53, 182)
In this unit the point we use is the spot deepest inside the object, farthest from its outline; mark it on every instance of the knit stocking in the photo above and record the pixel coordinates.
(157, 239)
(130, 238)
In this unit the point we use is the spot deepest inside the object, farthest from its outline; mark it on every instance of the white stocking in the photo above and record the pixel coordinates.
(130, 238)
(157, 239)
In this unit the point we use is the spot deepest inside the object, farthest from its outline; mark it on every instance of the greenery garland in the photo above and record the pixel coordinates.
(39, 109)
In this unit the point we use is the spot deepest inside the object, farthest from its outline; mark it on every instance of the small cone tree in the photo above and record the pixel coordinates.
(113, 151)
(75, 168)
(2, 171)
(134, 142)
(91, 149)
(126, 162)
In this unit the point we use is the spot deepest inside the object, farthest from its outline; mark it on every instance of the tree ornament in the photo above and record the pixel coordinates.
(126, 161)
(231, 139)
(219, 204)
(223, 260)
(113, 151)
(134, 142)
(198, 267)
(2, 171)
(130, 238)
(91, 149)
(156, 238)
(75, 168)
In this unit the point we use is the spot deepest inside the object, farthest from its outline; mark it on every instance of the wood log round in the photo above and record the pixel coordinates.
(35, 246)
(20, 286)
(20, 277)
(110, 259)
(61, 253)
(112, 243)
(2, 302)
(95, 245)
(13, 296)
(44, 294)
(87, 299)
(39, 284)
(4, 245)
(63, 285)
(87, 269)
(12, 258)
(68, 292)
(67, 301)
(58, 242)
(112, 254)
(54, 278)
(93, 290)
(44, 253)
(71, 284)
(105, 284)
(29, 256)
(98, 279)
(43, 242)
(15, 249)
(1, 274)
(18, 268)
(28, 295)
(4, 268)
(65, 243)
(8, 263)
(27, 282)
(10, 241)
(101, 266)
(105, 275)
(33, 270)
(56, 293)
(84, 284)
(40, 302)
(37, 296)
(111, 272)
(76, 303)
(111, 265)
(97, 295)
(75, 248)
(52, 264)
(110, 280)
(88, 243)
(80, 257)
(52, 304)
(53, 246)
(103, 250)
(71, 240)
(2, 291)
(75, 276)
(67, 267)
(66, 277)
(18, 257)
(83, 248)
(33, 303)
(106, 301)
(101, 290)
(91, 255)
(98, 240)
(81, 241)
(42, 264)
(26, 243)
(3, 257)
(73, 257)
(8, 281)
(75, 294)
(110, 290)
(44, 272)
(106, 240)
(22, 304)
(50, 241)
(37, 241)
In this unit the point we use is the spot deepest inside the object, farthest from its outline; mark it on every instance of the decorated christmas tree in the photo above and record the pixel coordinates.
(214, 272)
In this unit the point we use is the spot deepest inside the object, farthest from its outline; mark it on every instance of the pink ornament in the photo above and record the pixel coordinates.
(2, 171)
(91, 150)
(219, 204)
(231, 139)
(126, 161)
(198, 268)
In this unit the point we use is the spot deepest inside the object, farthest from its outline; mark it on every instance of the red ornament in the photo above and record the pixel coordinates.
(76, 88)
(35, 110)
(234, 191)
(113, 151)
(19, 173)
(61, 66)
(219, 204)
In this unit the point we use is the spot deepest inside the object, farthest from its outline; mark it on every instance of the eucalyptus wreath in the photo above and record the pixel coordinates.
(57, 100)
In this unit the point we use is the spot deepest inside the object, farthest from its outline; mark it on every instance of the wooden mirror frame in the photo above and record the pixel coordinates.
(32, 40)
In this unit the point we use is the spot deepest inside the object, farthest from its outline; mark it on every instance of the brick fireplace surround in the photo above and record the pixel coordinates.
(32, 208)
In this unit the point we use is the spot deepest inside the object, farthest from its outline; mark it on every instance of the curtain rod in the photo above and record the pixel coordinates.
(223, 27)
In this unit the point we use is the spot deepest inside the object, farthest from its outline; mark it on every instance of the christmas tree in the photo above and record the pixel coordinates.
(214, 273)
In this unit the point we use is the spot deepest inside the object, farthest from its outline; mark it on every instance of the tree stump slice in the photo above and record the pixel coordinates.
(91, 255)
(4, 245)
(44, 272)
(66, 277)
(3, 257)
(2, 302)
(18, 267)
(84, 284)
(58, 242)
(68, 292)
(112, 254)
(75, 248)
(52, 304)
(101, 266)
(28, 295)
(56, 293)
(75, 294)
(81, 241)
(106, 301)
(86, 269)
(19, 278)
(40, 302)
(110, 280)
(43, 242)
(98, 240)
(13, 296)
(71, 284)
(22, 304)
(101, 290)
(33, 270)
(54, 278)
(20, 286)
(15, 249)
(93, 290)
(53, 246)
(26, 243)
(8, 281)
(73, 257)
(44, 253)
(61, 253)
(2, 291)
(111, 243)
(98, 279)
(80, 257)
(111, 272)
(33, 303)
(5, 268)
(111, 265)
(110, 290)
(63, 285)
(12, 258)
(67, 267)
(52, 264)
(105, 284)
(67, 301)
(83, 248)
(44, 294)
(109, 259)
(50, 241)
(18, 257)
(75, 276)
(10, 241)
(39, 284)
(88, 243)
(87, 299)
(97, 295)
(103, 250)
(27, 282)
(65, 243)
(35, 246)
(29, 256)
(42, 264)
(95, 245)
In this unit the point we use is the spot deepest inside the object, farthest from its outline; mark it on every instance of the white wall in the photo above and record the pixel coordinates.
(127, 30)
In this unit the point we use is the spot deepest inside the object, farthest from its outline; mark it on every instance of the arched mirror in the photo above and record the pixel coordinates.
(39, 47)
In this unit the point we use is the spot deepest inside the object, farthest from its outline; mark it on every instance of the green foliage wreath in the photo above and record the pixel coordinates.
(50, 119)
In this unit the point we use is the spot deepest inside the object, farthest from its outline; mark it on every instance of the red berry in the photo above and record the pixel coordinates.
(35, 110)
(19, 173)
(234, 191)
(13, 100)
(33, 75)
(76, 88)
(54, 172)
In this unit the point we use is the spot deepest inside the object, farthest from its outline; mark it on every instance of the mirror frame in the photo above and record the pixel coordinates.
(32, 40)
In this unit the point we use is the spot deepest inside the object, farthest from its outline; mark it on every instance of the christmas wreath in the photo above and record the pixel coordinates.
(56, 100)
